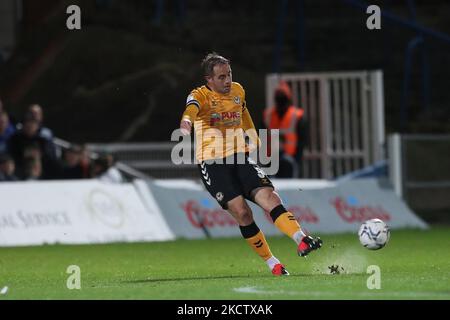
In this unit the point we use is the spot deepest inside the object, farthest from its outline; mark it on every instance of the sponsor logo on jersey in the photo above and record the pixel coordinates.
(229, 118)
(237, 100)
(233, 115)
(214, 119)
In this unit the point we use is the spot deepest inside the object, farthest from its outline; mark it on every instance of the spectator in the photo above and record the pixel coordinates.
(32, 151)
(7, 168)
(85, 161)
(32, 168)
(6, 130)
(290, 120)
(12, 120)
(104, 170)
(28, 138)
(73, 167)
(36, 111)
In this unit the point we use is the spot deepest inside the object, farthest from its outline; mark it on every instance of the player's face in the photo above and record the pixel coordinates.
(221, 79)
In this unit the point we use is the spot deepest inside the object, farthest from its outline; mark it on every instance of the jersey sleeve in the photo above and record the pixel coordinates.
(195, 98)
(194, 102)
(190, 114)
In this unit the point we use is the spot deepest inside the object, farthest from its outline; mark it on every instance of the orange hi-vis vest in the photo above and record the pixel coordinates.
(287, 126)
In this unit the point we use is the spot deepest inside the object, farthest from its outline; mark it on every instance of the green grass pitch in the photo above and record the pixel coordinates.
(414, 265)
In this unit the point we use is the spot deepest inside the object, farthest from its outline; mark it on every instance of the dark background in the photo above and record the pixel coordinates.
(125, 77)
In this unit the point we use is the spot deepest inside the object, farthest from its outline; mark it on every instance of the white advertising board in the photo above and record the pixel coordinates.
(77, 212)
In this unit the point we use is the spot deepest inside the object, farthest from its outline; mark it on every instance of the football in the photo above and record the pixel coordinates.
(374, 234)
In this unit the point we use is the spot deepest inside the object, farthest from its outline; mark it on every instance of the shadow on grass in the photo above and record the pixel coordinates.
(268, 276)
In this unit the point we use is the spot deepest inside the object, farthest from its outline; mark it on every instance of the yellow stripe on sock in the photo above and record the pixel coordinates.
(287, 224)
(259, 245)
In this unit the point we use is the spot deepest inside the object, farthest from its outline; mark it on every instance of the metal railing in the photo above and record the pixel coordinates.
(128, 170)
(345, 112)
(419, 167)
(152, 159)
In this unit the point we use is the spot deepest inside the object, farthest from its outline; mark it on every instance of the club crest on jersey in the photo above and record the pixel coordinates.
(237, 100)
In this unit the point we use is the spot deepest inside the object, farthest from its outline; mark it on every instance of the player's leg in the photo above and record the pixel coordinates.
(241, 211)
(218, 181)
(284, 220)
(259, 189)
(221, 182)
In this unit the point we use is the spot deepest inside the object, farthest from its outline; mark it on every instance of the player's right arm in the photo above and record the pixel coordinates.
(190, 113)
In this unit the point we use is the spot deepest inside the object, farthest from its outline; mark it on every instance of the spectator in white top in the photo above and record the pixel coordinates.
(104, 170)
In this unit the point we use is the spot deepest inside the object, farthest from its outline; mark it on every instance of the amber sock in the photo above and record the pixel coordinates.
(287, 223)
(255, 238)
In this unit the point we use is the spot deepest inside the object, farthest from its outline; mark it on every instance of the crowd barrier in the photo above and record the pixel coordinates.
(89, 211)
(321, 207)
(77, 212)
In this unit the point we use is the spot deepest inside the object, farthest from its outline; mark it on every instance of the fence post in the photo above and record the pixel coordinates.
(395, 163)
(377, 104)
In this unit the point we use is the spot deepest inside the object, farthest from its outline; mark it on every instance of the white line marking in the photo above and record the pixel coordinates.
(416, 294)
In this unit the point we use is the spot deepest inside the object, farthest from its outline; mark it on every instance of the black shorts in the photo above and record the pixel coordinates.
(225, 181)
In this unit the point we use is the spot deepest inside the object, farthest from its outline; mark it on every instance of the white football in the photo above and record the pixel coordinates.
(374, 234)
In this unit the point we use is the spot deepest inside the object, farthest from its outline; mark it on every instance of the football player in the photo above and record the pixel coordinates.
(220, 117)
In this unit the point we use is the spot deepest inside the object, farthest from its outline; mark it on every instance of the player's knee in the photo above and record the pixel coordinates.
(244, 215)
(273, 201)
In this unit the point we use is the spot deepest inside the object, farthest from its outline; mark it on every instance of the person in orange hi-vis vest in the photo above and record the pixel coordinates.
(290, 120)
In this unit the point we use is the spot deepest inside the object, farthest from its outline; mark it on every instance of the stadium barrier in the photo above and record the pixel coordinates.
(323, 207)
(78, 212)
(420, 172)
(89, 211)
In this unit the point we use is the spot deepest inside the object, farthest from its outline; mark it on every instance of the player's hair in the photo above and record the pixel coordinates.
(210, 61)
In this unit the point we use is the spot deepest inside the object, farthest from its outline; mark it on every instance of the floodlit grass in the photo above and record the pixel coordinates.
(414, 265)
